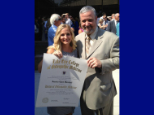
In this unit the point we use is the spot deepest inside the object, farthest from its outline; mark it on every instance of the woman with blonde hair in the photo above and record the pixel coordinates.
(100, 24)
(63, 43)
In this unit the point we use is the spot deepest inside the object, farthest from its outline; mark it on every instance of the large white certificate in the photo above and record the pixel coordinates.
(61, 81)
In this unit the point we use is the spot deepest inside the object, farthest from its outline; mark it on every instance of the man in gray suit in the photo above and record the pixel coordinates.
(101, 50)
(112, 24)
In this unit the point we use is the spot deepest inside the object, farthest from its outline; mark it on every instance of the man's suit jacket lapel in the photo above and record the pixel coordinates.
(97, 41)
(114, 26)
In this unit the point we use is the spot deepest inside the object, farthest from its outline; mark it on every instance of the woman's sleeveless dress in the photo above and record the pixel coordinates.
(63, 110)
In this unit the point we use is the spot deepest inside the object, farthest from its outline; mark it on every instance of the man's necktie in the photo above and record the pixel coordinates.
(87, 45)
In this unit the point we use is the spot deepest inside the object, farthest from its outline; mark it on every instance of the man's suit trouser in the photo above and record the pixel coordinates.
(107, 110)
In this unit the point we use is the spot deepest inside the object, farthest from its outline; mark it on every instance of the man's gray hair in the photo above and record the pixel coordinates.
(116, 14)
(54, 17)
(86, 9)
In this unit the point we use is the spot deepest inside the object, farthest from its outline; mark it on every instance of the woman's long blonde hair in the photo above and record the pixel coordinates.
(57, 43)
(101, 20)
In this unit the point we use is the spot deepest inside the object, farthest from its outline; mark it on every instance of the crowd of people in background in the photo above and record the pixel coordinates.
(45, 28)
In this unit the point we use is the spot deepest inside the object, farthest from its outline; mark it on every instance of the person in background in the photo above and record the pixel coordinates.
(63, 42)
(40, 28)
(112, 25)
(45, 28)
(98, 18)
(55, 21)
(105, 23)
(48, 25)
(63, 20)
(103, 16)
(37, 25)
(63, 17)
(112, 16)
(117, 18)
(76, 25)
(80, 29)
(100, 24)
(109, 18)
(36, 30)
(72, 25)
(68, 20)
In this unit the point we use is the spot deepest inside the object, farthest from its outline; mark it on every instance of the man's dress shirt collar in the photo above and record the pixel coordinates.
(93, 35)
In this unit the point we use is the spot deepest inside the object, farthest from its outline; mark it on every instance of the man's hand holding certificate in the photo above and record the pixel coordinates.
(61, 81)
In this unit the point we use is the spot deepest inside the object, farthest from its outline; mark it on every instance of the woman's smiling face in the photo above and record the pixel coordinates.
(65, 36)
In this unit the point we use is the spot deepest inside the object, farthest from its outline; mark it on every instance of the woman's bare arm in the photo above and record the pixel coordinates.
(49, 51)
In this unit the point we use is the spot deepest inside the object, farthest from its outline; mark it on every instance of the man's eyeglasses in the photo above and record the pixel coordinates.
(59, 19)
